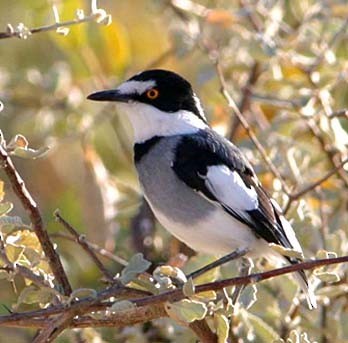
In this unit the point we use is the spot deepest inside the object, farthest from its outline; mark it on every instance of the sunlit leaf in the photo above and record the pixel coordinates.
(30, 153)
(186, 310)
(14, 252)
(5, 207)
(189, 288)
(286, 251)
(329, 277)
(222, 326)
(263, 331)
(199, 261)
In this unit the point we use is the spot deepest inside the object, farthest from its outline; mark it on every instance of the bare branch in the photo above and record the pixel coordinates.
(246, 98)
(81, 240)
(296, 195)
(339, 114)
(99, 250)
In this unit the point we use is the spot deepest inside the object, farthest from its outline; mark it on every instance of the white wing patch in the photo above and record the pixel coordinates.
(139, 87)
(228, 187)
(289, 231)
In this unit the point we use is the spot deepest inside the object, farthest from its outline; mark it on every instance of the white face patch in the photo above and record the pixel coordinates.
(139, 87)
(149, 121)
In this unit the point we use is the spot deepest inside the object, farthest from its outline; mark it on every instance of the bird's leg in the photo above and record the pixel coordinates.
(232, 256)
(244, 270)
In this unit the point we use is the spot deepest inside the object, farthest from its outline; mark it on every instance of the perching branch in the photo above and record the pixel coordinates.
(32, 209)
(151, 303)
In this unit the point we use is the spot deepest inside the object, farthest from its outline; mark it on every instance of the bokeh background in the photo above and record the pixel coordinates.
(285, 63)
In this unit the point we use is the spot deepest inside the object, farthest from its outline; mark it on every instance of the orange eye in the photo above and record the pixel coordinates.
(152, 93)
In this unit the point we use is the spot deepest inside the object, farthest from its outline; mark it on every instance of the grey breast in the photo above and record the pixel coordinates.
(165, 192)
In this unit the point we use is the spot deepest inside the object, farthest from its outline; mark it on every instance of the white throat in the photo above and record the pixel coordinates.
(148, 121)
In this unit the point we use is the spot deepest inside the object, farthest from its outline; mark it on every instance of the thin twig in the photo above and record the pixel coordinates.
(99, 250)
(303, 191)
(32, 209)
(17, 33)
(247, 127)
(339, 114)
(227, 258)
(341, 31)
(327, 148)
(81, 240)
(246, 98)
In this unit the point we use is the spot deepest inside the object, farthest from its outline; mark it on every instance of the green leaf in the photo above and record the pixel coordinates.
(122, 305)
(33, 295)
(4, 275)
(8, 223)
(199, 261)
(83, 293)
(222, 326)
(248, 296)
(189, 288)
(286, 251)
(30, 153)
(260, 329)
(14, 252)
(329, 277)
(136, 265)
(333, 291)
(186, 310)
(5, 207)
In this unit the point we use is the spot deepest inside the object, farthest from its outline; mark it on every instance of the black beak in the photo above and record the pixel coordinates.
(109, 95)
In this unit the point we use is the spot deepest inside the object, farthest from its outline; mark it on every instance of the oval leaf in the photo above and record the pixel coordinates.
(186, 310)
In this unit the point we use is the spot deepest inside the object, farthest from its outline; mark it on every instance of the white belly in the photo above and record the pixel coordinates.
(217, 234)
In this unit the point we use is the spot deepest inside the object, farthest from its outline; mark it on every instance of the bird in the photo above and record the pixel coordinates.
(199, 185)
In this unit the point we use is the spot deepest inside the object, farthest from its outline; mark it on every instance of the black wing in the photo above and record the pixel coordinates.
(196, 153)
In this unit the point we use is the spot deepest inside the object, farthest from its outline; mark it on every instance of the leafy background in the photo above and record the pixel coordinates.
(291, 56)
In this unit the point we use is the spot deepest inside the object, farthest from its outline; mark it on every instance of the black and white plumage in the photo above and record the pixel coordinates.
(199, 185)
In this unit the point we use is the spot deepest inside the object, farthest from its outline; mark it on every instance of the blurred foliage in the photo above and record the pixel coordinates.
(299, 50)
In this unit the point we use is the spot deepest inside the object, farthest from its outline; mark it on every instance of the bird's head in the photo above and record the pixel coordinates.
(158, 103)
